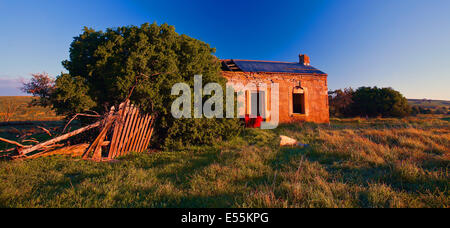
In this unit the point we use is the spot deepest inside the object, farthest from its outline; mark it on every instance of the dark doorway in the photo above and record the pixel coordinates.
(299, 103)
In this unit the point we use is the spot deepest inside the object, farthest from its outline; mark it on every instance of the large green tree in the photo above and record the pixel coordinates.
(104, 66)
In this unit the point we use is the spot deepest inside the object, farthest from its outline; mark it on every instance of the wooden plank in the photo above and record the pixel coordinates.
(150, 136)
(96, 145)
(118, 128)
(149, 133)
(132, 120)
(121, 138)
(141, 135)
(129, 120)
(73, 151)
(144, 134)
(117, 122)
(135, 133)
(60, 138)
(101, 138)
(138, 134)
(132, 133)
(92, 146)
(103, 134)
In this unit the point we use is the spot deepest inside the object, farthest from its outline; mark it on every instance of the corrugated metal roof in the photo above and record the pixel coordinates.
(272, 66)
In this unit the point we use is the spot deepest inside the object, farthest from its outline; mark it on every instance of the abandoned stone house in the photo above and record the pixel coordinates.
(303, 89)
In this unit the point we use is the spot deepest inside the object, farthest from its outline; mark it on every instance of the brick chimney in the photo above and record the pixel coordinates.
(304, 59)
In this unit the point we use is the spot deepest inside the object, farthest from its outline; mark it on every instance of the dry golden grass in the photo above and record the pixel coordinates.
(349, 163)
(17, 108)
(396, 162)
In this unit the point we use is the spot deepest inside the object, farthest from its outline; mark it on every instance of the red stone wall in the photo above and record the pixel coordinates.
(315, 90)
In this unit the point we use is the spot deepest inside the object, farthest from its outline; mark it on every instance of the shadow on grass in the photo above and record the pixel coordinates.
(285, 156)
(181, 175)
(180, 166)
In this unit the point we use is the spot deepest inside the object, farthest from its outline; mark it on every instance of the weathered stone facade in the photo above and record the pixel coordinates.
(311, 88)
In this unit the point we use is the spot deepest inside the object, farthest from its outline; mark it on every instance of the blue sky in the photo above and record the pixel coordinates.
(404, 44)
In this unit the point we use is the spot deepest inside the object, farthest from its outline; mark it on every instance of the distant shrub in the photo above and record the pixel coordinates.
(441, 110)
(384, 102)
(368, 101)
(415, 110)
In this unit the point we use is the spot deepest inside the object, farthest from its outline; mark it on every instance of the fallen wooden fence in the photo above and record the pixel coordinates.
(132, 131)
(123, 131)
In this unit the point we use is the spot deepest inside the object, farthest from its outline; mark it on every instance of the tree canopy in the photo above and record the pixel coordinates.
(104, 66)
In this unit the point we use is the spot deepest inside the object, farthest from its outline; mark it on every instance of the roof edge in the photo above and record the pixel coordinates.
(233, 67)
(263, 72)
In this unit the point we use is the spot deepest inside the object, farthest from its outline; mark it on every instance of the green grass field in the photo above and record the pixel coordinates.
(350, 163)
